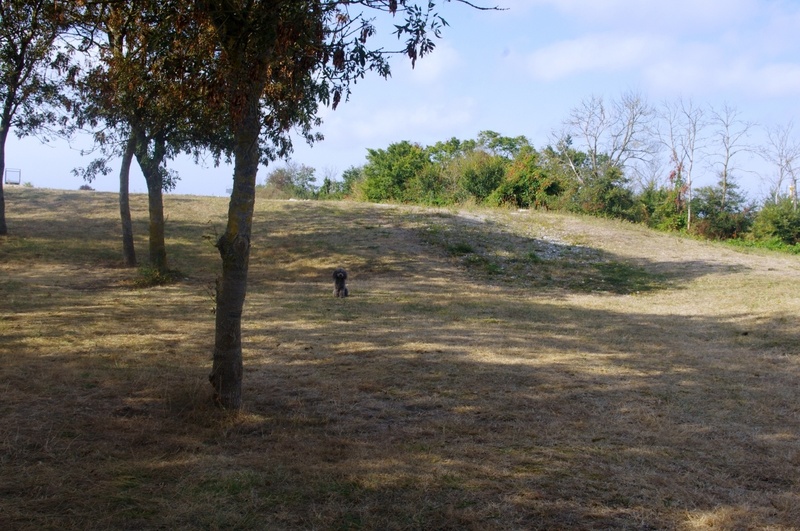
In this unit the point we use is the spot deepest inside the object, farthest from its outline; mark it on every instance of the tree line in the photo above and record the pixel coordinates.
(625, 159)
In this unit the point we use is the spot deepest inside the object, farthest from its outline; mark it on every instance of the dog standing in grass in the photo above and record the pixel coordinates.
(339, 284)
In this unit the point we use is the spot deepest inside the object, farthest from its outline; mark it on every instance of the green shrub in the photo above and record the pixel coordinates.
(426, 187)
(720, 216)
(481, 173)
(527, 184)
(460, 249)
(663, 208)
(150, 276)
(607, 195)
(778, 222)
(388, 171)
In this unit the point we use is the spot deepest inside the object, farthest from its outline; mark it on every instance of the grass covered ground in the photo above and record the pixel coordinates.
(491, 370)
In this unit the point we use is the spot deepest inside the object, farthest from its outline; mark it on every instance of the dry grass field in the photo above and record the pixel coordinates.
(491, 370)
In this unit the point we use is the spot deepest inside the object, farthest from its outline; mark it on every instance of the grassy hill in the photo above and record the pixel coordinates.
(491, 370)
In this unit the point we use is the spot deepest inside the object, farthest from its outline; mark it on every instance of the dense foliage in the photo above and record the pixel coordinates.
(494, 170)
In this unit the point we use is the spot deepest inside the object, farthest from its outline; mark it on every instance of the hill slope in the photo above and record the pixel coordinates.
(491, 370)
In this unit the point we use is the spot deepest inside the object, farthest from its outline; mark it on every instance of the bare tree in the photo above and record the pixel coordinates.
(682, 125)
(731, 135)
(782, 150)
(613, 136)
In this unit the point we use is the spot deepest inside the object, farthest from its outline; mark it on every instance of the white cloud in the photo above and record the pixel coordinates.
(777, 80)
(675, 16)
(705, 70)
(411, 122)
(742, 46)
(603, 52)
(691, 68)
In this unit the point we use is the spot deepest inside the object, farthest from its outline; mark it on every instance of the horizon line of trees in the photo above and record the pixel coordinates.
(500, 171)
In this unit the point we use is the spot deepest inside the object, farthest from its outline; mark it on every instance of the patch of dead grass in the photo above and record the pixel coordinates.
(659, 393)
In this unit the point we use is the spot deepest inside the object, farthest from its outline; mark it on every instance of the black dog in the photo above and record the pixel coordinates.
(339, 286)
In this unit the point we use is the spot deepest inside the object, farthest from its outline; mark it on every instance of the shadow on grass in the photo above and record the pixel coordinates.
(535, 416)
(373, 239)
(419, 403)
(392, 241)
(384, 411)
(478, 421)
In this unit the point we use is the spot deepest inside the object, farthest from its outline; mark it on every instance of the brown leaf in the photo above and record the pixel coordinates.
(338, 59)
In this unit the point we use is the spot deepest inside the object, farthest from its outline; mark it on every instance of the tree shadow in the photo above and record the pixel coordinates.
(431, 398)
(622, 427)
(371, 239)
(395, 241)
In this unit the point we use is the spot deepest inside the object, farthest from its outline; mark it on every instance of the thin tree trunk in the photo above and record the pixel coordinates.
(155, 201)
(3, 136)
(724, 189)
(234, 248)
(128, 250)
(150, 163)
(689, 208)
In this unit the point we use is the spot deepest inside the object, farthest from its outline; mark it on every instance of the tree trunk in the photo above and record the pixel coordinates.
(128, 250)
(155, 202)
(150, 164)
(724, 185)
(234, 248)
(3, 136)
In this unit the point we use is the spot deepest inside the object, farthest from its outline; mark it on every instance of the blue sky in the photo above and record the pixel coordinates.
(521, 71)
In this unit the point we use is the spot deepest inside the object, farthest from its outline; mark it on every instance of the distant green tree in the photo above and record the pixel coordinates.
(291, 181)
(505, 146)
(481, 173)
(331, 189)
(451, 150)
(721, 211)
(351, 177)
(388, 171)
(455, 158)
(778, 222)
(527, 183)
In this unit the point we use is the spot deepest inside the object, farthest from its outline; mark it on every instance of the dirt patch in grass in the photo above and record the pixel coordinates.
(491, 370)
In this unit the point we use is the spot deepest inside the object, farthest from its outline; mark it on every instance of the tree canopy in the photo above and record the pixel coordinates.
(30, 68)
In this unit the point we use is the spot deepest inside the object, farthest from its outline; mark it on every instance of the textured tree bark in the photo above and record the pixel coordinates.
(155, 200)
(3, 136)
(128, 249)
(150, 163)
(234, 248)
